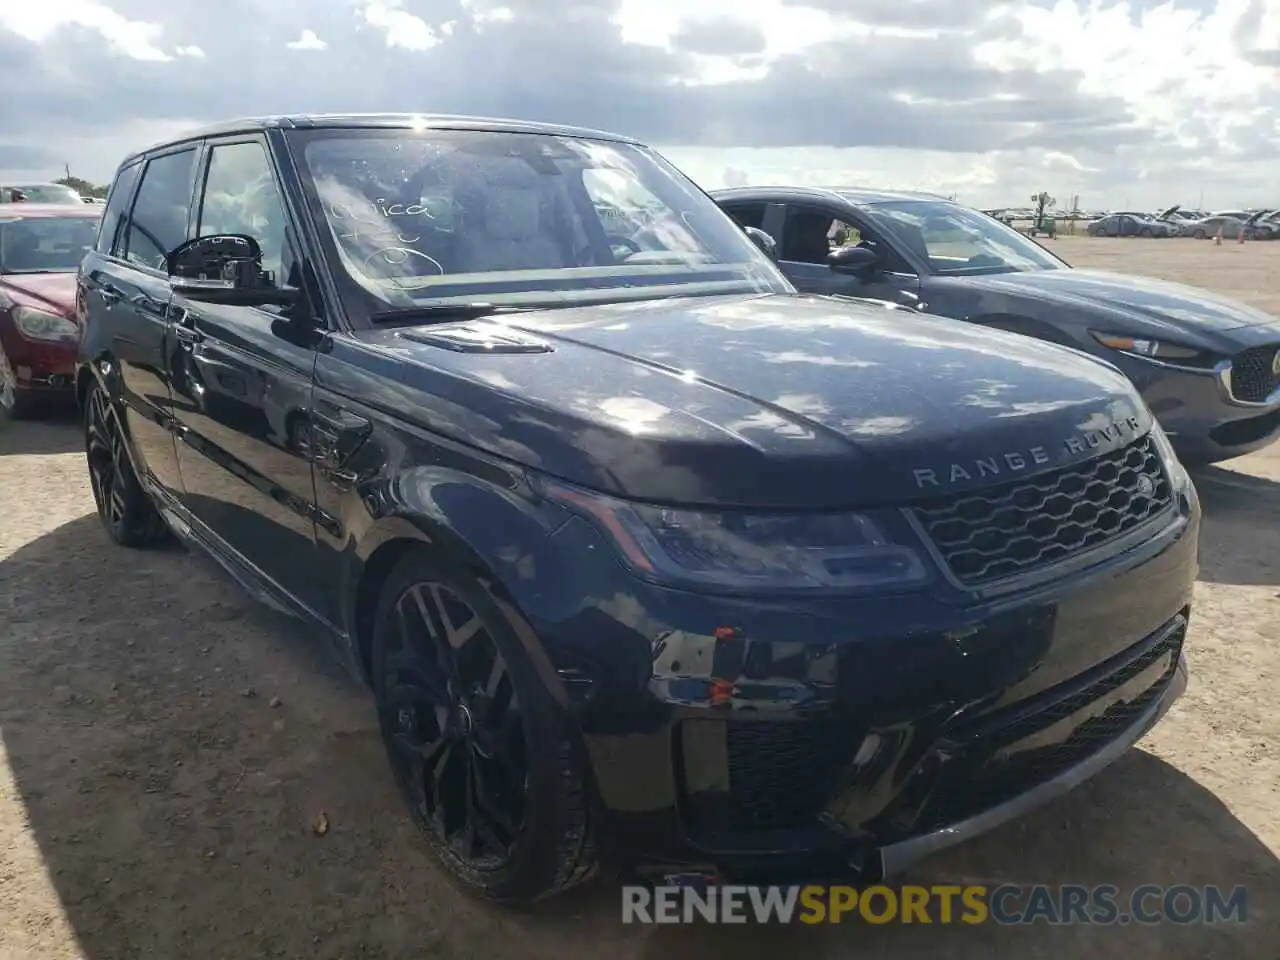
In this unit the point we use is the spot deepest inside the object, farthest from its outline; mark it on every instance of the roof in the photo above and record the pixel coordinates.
(382, 121)
(26, 209)
(854, 195)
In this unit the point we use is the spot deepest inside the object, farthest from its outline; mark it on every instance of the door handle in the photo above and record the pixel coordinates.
(110, 296)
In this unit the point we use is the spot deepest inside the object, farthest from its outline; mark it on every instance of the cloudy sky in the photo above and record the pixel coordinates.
(1124, 103)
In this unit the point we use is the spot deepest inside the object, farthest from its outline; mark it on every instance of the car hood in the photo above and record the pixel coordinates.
(53, 291)
(783, 401)
(1168, 304)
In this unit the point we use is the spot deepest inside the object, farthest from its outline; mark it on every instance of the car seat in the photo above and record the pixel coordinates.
(506, 222)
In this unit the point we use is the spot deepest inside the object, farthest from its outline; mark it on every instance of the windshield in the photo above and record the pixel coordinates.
(956, 241)
(436, 217)
(45, 244)
(44, 193)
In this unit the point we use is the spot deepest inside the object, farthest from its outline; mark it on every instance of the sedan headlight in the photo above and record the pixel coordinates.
(1148, 348)
(42, 325)
(749, 551)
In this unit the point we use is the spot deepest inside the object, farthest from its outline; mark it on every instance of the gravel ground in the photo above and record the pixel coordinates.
(167, 747)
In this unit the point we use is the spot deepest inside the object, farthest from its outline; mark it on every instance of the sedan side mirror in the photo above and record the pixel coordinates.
(768, 246)
(224, 268)
(855, 261)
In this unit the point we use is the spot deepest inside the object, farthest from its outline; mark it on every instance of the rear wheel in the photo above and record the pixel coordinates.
(127, 513)
(479, 749)
(1146, 232)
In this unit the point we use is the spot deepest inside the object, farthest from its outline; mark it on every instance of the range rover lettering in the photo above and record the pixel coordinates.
(643, 554)
(1208, 366)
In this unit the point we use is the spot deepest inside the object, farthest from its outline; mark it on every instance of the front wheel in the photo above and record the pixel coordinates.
(14, 405)
(479, 749)
(127, 513)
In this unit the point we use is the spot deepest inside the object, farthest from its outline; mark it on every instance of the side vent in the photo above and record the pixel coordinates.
(478, 338)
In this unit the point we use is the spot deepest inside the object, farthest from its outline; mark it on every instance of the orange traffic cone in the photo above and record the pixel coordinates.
(1217, 238)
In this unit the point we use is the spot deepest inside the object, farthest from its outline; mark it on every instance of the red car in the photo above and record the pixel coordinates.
(41, 246)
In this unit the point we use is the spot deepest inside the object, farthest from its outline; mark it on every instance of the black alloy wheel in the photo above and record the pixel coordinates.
(126, 511)
(476, 744)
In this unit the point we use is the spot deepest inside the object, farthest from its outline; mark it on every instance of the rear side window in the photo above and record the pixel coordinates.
(117, 204)
(158, 222)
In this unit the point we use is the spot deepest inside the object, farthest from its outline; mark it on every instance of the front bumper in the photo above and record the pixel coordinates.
(770, 741)
(39, 367)
(1205, 422)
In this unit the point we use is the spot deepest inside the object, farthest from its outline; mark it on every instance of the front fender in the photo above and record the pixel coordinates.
(501, 536)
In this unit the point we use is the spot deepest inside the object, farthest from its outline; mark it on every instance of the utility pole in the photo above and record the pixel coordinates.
(67, 169)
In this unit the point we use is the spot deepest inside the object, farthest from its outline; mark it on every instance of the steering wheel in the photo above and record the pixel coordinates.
(615, 241)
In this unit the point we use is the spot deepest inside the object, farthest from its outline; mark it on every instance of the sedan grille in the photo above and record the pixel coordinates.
(1021, 526)
(1253, 374)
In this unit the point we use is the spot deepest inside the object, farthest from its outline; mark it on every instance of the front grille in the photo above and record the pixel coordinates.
(981, 780)
(1023, 525)
(1253, 374)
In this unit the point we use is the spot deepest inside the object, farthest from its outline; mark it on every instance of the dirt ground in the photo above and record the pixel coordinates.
(151, 807)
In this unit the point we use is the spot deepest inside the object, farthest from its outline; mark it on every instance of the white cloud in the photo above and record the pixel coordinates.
(308, 41)
(402, 29)
(189, 51)
(38, 21)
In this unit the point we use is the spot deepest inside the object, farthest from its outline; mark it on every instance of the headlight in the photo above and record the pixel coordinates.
(40, 325)
(749, 551)
(1151, 349)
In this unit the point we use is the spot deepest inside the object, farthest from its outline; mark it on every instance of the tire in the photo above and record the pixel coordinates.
(1146, 232)
(456, 719)
(1200, 235)
(125, 509)
(14, 405)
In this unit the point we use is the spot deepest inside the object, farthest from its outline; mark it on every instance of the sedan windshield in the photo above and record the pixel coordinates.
(45, 244)
(955, 241)
(439, 217)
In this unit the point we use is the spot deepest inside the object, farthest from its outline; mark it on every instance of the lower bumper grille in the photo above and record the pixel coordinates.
(1237, 433)
(780, 774)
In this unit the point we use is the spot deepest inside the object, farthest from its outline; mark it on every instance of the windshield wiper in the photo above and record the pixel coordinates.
(442, 312)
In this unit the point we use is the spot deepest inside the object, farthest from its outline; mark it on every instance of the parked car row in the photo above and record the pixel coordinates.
(1258, 225)
(797, 547)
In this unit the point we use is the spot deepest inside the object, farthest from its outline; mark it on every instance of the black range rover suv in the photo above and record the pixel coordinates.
(641, 552)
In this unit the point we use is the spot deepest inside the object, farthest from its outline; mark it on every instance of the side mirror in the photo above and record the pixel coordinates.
(768, 246)
(855, 261)
(224, 268)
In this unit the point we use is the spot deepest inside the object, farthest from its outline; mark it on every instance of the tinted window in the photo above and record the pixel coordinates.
(45, 244)
(747, 214)
(117, 203)
(241, 196)
(158, 221)
(810, 235)
(518, 219)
